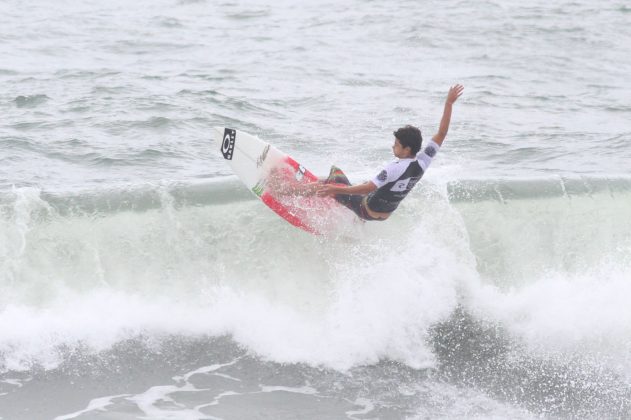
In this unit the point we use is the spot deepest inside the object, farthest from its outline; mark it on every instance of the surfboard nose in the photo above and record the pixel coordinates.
(217, 131)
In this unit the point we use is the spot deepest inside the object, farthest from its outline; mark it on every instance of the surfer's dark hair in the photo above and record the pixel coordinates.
(410, 136)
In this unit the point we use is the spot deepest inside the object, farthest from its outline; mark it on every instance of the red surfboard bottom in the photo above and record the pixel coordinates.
(289, 194)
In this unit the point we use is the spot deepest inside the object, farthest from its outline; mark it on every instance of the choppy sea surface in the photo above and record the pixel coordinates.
(140, 279)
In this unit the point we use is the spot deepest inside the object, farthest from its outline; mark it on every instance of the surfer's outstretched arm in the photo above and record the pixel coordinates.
(361, 189)
(453, 95)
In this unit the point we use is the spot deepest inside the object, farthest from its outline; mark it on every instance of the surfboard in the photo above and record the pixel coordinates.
(278, 180)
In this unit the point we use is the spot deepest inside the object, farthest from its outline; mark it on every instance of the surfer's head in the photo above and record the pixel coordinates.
(409, 139)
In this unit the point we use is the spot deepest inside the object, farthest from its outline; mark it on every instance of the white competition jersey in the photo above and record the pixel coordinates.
(398, 178)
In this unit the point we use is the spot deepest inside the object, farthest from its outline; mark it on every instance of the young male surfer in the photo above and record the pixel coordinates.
(378, 198)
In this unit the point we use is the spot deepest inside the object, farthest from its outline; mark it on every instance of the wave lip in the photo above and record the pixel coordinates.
(520, 231)
(473, 190)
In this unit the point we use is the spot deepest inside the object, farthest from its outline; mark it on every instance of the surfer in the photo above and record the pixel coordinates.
(378, 198)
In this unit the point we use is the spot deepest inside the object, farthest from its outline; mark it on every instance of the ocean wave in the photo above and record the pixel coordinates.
(210, 259)
(228, 189)
(227, 268)
(520, 229)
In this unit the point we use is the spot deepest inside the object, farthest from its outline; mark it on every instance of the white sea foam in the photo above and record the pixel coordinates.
(97, 404)
(583, 315)
(555, 273)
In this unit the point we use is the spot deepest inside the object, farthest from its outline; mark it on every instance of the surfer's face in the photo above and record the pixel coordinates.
(400, 151)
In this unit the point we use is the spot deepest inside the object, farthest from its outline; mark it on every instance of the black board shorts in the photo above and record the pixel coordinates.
(356, 203)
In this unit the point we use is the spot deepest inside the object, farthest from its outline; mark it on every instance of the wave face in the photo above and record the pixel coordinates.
(542, 263)
(553, 262)
(95, 268)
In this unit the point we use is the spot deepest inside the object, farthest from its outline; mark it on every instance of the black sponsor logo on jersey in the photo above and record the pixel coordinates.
(430, 151)
(383, 175)
(227, 145)
(412, 183)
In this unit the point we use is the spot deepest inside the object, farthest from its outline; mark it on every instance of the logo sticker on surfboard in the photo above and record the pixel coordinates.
(227, 145)
(300, 173)
(261, 159)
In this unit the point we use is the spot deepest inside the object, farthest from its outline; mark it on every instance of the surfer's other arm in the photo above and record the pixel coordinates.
(361, 189)
(453, 95)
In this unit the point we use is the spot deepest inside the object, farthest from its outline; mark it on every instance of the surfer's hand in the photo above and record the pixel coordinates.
(327, 190)
(454, 93)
